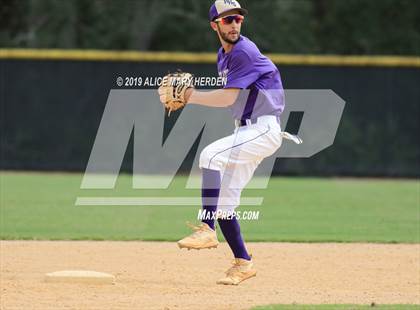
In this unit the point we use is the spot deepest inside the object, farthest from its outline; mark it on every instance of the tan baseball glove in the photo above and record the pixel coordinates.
(173, 88)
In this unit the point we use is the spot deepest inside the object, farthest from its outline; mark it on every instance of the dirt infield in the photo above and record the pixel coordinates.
(157, 275)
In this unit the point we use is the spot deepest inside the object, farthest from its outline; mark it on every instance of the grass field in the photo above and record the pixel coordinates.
(41, 206)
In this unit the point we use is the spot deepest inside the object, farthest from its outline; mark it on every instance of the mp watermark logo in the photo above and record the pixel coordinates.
(157, 156)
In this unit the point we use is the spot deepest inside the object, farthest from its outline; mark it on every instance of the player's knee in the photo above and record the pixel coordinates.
(208, 159)
(205, 158)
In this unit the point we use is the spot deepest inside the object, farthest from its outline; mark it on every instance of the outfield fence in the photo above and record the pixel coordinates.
(52, 102)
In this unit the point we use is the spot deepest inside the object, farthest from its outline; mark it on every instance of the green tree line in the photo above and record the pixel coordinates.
(389, 27)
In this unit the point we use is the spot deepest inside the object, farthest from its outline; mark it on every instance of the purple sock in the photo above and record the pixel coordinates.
(210, 194)
(232, 232)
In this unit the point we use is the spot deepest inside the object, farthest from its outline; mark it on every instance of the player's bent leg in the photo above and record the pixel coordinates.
(204, 235)
(214, 156)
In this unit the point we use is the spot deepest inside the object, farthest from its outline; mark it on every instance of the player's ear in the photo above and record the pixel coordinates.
(213, 25)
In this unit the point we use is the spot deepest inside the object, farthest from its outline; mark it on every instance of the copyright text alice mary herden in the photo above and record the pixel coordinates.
(198, 81)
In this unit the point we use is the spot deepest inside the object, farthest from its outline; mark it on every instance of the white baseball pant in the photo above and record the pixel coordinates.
(238, 155)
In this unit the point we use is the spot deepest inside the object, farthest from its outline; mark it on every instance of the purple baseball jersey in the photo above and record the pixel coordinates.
(246, 68)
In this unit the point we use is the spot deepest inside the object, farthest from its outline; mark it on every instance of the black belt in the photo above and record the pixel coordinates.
(245, 122)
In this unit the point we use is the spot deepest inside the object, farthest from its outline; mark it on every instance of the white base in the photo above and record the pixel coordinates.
(80, 276)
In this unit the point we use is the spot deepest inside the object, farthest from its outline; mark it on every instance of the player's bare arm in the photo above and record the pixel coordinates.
(216, 98)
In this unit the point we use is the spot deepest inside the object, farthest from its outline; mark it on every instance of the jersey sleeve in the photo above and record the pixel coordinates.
(242, 71)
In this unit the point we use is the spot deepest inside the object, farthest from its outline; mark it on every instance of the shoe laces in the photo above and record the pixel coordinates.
(198, 229)
(235, 268)
(237, 264)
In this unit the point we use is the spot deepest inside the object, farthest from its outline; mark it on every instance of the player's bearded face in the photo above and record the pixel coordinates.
(229, 34)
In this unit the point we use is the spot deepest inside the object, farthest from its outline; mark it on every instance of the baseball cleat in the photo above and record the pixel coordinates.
(240, 271)
(203, 237)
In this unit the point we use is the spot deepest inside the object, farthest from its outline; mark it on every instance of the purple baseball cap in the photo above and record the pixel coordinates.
(222, 6)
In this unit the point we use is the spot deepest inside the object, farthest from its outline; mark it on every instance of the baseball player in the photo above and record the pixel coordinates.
(255, 96)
